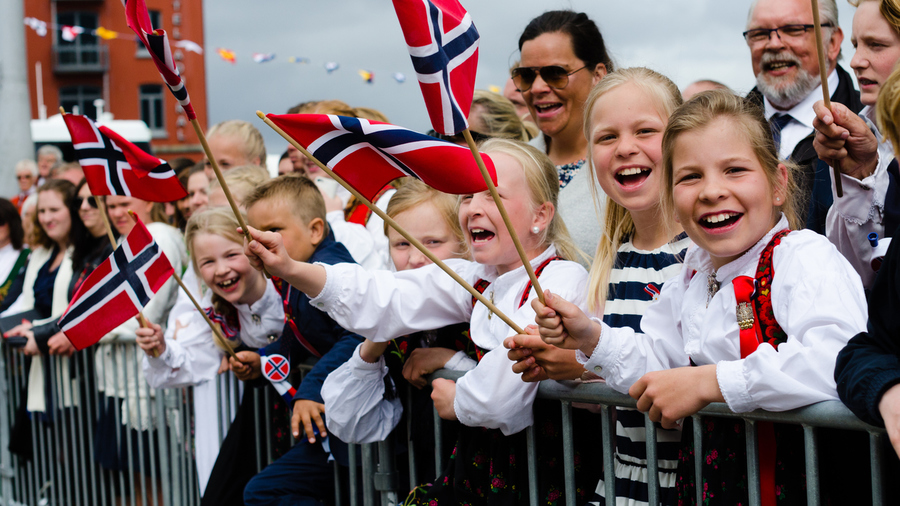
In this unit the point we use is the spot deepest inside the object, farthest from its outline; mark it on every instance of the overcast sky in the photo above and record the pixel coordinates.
(684, 39)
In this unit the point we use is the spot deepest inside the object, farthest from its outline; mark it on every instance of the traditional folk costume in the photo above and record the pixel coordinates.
(489, 463)
(707, 316)
(634, 283)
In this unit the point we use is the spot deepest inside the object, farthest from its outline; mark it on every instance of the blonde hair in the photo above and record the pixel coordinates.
(337, 107)
(301, 195)
(543, 184)
(241, 181)
(500, 117)
(617, 221)
(370, 114)
(249, 138)
(888, 109)
(415, 193)
(705, 108)
(890, 10)
(218, 221)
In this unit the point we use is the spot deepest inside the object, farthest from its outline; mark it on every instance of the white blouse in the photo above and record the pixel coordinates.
(817, 299)
(382, 305)
(191, 356)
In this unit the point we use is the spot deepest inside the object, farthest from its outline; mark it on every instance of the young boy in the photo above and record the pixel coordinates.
(293, 207)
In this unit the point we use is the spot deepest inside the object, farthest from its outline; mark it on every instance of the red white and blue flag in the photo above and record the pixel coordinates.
(277, 369)
(138, 19)
(114, 166)
(443, 45)
(370, 154)
(117, 289)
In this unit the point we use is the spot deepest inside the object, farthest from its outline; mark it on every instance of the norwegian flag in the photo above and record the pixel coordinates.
(114, 166)
(443, 45)
(370, 154)
(138, 19)
(70, 33)
(117, 289)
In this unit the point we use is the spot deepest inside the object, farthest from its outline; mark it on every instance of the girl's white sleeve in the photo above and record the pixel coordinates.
(190, 358)
(622, 355)
(355, 404)
(491, 395)
(818, 300)
(382, 305)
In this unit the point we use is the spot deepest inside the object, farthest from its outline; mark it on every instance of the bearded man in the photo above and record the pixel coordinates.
(782, 46)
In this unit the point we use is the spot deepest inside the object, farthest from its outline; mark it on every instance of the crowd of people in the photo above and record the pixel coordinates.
(690, 245)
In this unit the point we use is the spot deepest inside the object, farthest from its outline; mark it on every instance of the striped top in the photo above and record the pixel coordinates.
(635, 282)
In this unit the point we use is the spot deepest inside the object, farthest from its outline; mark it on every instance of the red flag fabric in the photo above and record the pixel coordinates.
(369, 154)
(117, 289)
(114, 166)
(138, 19)
(443, 45)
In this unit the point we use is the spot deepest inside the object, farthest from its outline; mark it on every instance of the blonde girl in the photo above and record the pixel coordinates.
(382, 305)
(756, 316)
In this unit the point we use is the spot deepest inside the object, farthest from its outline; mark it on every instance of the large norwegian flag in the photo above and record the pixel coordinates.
(114, 166)
(369, 154)
(138, 19)
(117, 289)
(443, 45)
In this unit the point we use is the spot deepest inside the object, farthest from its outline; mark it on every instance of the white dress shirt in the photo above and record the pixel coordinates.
(817, 299)
(381, 305)
(802, 125)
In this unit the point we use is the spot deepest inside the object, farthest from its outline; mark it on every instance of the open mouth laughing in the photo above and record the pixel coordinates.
(719, 220)
(630, 177)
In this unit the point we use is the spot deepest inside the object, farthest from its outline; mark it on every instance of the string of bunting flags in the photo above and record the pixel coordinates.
(70, 33)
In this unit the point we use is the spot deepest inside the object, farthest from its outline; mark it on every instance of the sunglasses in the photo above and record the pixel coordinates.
(91, 200)
(555, 76)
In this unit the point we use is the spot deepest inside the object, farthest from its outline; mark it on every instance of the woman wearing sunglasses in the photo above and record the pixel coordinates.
(562, 57)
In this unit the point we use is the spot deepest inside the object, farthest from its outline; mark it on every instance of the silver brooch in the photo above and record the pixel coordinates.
(712, 286)
(744, 315)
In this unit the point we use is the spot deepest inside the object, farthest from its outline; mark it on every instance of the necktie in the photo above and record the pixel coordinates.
(777, 122)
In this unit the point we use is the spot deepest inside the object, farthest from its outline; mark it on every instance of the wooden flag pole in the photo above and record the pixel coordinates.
(220, 340)
(215, 166)
(823, 74)
(387, 219)
(500, 207)
(101, 206)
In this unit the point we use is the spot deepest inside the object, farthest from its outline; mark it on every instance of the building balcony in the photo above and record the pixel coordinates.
(80, 59)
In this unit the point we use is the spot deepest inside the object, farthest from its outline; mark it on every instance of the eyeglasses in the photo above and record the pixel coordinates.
(458, 138)
(91, 200)
(791, 32)
(555, 76)
(23, 176)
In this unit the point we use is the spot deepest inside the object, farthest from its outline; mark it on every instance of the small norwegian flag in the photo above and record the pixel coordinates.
(117, 289)
(443, 45)
(370, 154)
(114, 166)
(276, 369)
(138, 19)
(70, 33)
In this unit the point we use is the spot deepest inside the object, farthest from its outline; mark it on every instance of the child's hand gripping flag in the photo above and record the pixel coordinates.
(370, 154)
(117, 289)
(157, 43)
(114, 166)
(443, 45)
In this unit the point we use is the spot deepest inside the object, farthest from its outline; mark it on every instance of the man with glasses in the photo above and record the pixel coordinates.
(26, 175)
(782, 46)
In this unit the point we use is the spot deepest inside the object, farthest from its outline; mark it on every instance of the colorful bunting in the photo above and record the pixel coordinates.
(296, 59)
(227, 55)
(399, 77)
(331, 66)
(366, 75)
(105, 34)
(70, 33)
(40, 27)
(263, 57)
(188, 45)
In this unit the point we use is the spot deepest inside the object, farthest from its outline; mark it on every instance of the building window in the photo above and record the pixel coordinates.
(155, 22)
(152, 103)
(84, 48)
(81, 99)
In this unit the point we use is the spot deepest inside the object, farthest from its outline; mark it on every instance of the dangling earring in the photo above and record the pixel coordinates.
(535, 230)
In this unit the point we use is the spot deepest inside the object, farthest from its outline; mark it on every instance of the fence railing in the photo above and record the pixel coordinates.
(157, 462)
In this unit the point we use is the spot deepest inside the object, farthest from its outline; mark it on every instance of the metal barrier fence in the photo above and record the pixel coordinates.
(159, 460)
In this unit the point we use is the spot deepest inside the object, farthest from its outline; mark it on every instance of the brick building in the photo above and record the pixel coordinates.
(74, 73)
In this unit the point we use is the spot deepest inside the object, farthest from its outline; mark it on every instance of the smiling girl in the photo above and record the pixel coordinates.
(382, 305)
(247, 308)
(756, 316)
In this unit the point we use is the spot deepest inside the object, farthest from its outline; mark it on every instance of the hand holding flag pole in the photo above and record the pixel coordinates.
(390, 221)
(823, 74)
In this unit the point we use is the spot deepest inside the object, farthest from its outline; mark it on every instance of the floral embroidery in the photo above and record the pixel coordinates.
(568, 171)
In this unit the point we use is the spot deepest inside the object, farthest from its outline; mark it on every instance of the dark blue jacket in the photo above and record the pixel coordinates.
(330, 340)
(870, 363)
